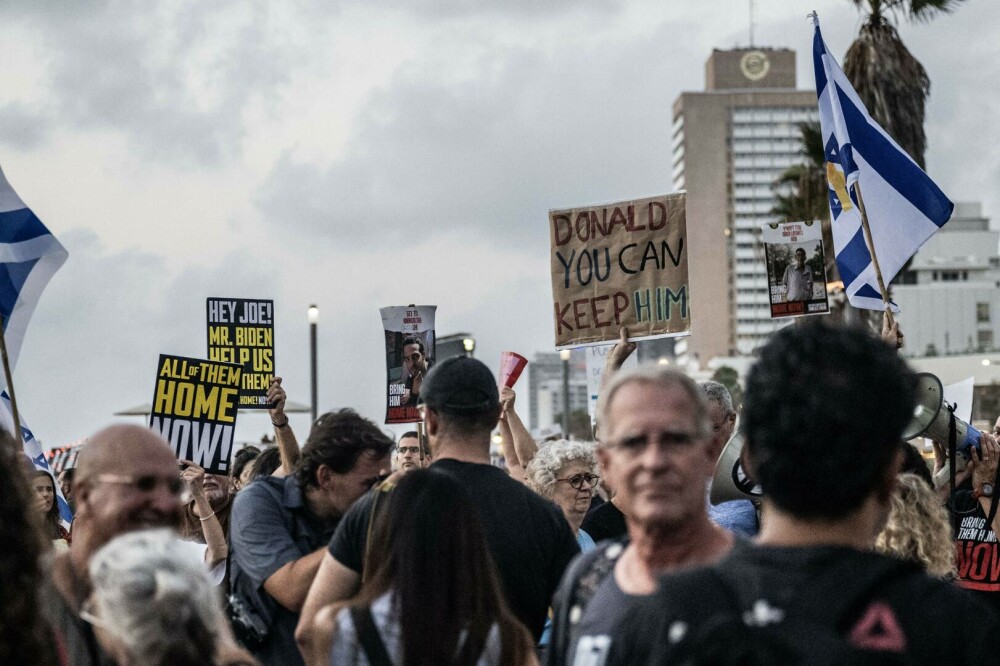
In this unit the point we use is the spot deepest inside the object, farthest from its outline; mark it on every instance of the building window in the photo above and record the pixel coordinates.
(984, 340)
(982, 313)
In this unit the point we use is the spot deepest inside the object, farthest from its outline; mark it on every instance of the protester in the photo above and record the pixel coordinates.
(812, 590)
(738, 516)
(48, 509)
(528, 537)
(153, 605)
(280, 526)
(566, 473)
(206, 518)
(519, 446)
(657, 448)
(126, 480)
(918, 528)
(267, 463)
(66, 485)
(287, 443)
(25, 636)
(409, 453)
(434, 597)
(242, 469)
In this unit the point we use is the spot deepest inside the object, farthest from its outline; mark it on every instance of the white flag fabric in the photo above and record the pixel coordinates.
(33, 451)
(29, 256)
(903, 204)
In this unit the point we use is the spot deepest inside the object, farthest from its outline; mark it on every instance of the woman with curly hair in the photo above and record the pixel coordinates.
(918, 528)
(44, 486)
(566, 473)
(25, 637)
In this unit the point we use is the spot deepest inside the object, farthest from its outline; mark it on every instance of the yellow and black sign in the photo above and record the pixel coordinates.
(194, 408)
(242, 331)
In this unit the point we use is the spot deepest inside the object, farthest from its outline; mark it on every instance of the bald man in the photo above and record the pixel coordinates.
(126, 479)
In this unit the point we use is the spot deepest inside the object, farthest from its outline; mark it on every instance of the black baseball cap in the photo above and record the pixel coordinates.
(460, 385)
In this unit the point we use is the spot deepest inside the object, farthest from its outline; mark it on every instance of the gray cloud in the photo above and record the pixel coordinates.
(22, 127)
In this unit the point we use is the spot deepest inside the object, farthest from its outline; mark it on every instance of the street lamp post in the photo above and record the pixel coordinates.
(313, 318)
(565, 355)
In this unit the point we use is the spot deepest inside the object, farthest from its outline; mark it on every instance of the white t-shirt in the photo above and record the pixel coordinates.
(347, 650)
(196, 552)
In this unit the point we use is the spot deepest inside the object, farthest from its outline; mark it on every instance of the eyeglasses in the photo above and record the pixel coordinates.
(636, 444)
(147, 484)
(408, 449)
(577, 481)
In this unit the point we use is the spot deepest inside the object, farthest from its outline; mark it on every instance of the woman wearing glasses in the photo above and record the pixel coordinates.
(566, 473)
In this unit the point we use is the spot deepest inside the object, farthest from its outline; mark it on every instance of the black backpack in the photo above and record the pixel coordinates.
(727, 621)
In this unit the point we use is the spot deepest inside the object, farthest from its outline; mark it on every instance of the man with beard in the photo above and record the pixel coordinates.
(126, 480)
(415, 366)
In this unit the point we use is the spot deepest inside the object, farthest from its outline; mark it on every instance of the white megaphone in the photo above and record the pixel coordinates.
(931, 416)
(730, 482)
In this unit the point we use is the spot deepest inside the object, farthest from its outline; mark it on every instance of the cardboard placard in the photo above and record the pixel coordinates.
(194, 408)
(620, 264)
(796, 271)
(242, 331)
(409, 355)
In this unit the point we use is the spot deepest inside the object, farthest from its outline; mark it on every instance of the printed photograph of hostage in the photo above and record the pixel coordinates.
(795, 269)
(798, 278)
(416, 363)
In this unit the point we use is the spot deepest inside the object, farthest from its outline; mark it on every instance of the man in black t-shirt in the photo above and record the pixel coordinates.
(529, 538)
(810, 588)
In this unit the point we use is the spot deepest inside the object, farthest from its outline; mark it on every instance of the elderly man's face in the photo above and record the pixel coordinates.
(722, 424)
(654, 456)
(216, 489)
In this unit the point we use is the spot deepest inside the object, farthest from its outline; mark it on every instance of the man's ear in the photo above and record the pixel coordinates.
(431, 422)
(324, 477)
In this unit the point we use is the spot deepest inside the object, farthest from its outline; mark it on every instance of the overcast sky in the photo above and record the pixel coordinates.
(364, 153)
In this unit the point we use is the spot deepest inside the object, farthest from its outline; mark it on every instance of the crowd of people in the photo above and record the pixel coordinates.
(357, 549)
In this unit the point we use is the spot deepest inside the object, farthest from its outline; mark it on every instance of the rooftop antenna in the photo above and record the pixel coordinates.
(751, 23)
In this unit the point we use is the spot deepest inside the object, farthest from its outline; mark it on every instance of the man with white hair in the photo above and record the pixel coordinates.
(657, 448)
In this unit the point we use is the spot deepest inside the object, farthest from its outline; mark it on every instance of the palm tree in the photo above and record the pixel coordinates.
(892, 84)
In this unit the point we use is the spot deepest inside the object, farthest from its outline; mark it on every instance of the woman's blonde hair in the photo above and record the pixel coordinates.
(918, 528)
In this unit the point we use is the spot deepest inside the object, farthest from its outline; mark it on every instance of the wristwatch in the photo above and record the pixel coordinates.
(985, 490)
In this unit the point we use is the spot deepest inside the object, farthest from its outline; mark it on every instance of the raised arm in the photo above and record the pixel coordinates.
(215, 538)
(617, 356)
(288, 445)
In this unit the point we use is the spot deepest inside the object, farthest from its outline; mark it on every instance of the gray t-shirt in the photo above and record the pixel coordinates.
(601, 621)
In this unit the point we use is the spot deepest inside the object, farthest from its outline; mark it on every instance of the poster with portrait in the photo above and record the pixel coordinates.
(409, 354)
(241, 331)
(194, 409)
(796, 271)
(620, 264)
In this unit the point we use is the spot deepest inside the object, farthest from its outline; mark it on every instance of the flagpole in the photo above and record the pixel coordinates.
(10, 388)
(871, 250)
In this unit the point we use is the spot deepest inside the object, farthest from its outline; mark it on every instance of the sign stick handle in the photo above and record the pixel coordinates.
(10, 389)
(871, 249)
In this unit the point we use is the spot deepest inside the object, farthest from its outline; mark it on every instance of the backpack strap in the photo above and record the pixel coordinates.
(368, 637)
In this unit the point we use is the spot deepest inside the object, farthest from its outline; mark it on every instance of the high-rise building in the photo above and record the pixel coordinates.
(730, 143)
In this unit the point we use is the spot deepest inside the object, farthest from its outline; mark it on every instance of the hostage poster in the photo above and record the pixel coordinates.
(796, 274)
(194, 408)
(242, 331)
(620, 264)
(409, 354)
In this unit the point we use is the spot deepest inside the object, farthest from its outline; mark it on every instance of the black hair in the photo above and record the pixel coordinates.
(914, 463)
(413, 340)
(25, 636)
(409, 433)
(51, 517)
(243, 457)
(446, 591)
(337, 440)
(266, 462)
(824, 410)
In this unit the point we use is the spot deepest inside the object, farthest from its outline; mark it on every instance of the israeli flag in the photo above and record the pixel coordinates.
(903, 204)
(29, 256)
(33, 451)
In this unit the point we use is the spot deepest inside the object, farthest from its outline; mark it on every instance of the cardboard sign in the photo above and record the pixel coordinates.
(796, 274)
(242, 331)
(409, 354)
(194, 408)
(621, 264)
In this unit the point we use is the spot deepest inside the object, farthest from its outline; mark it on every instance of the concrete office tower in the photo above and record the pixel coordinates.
(730, 143)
